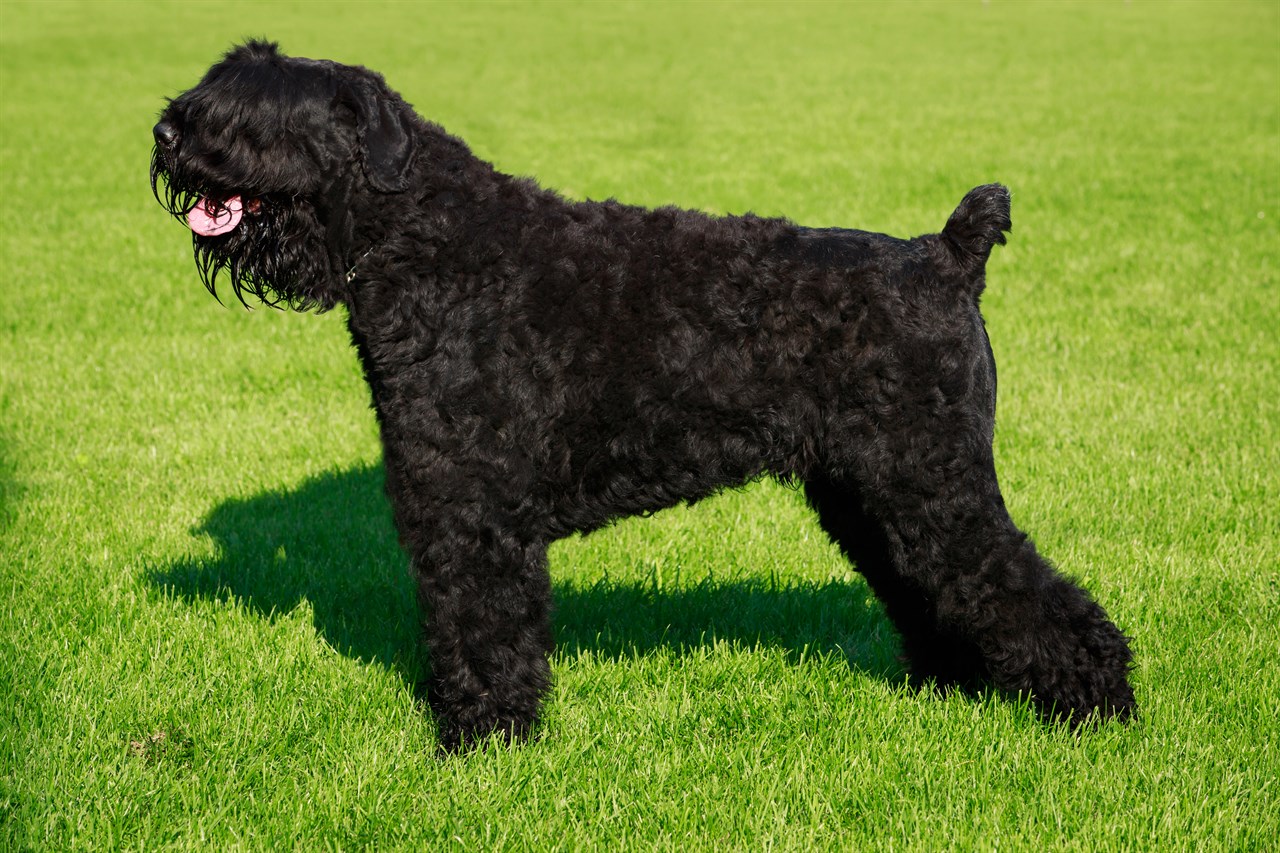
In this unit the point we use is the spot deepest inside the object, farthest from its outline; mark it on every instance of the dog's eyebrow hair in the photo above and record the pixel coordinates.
(541, 367)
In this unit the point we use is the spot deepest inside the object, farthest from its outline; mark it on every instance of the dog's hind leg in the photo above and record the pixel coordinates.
(967, 588)
(946, 659)
(486, 601)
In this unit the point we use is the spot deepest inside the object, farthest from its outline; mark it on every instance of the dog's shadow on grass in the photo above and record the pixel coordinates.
(331, 543)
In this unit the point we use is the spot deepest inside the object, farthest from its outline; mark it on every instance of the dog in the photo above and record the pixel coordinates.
(541, 367)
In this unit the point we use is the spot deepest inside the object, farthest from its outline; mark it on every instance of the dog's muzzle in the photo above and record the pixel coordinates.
(208, 217)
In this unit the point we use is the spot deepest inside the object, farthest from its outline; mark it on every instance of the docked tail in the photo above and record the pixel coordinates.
(976, 225)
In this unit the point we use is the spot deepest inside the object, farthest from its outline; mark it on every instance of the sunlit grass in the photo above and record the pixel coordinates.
(207, 635)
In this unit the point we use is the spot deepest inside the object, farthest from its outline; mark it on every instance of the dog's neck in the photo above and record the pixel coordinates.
(451, 186)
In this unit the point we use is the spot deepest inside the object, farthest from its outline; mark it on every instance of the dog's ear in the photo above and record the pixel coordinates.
(386, 139)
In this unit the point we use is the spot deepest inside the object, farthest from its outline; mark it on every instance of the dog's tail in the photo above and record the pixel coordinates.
(976, 225)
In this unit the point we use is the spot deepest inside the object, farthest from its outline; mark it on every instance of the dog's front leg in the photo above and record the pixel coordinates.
(486, 601)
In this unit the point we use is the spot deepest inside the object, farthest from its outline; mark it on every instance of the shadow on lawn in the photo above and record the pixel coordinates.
(332, 544)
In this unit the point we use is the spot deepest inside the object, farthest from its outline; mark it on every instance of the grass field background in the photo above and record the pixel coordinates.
(207, 636)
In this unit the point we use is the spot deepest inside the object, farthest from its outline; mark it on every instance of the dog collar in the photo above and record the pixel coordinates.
(351, 273)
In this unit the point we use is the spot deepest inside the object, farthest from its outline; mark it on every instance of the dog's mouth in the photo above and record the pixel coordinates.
(259, 242)
(206, 212)
(212, 218)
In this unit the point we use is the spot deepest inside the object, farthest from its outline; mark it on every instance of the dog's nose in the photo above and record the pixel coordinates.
(166, 134)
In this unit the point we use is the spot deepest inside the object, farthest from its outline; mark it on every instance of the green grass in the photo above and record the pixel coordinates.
(206, 631)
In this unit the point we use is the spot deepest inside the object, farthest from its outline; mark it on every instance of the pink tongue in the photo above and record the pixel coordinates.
(210, 218)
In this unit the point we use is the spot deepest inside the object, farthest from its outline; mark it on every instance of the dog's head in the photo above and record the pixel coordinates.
(267, 159)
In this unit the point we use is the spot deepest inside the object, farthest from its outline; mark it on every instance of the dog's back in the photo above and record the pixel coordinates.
(694, 351)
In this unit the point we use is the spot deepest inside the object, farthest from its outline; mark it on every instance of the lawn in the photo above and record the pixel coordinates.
(207, 632)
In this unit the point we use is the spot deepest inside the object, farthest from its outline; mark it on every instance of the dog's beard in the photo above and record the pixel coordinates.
(272, 254)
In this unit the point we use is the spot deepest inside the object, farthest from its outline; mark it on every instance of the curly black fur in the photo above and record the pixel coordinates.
(541, 367)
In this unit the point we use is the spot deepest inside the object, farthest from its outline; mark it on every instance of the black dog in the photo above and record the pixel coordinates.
(541, 367)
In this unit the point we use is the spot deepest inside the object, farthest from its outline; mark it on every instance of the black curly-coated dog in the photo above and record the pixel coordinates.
(541, 367)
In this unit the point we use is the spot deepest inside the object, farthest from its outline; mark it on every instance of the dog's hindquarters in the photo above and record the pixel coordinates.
(918, 507)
